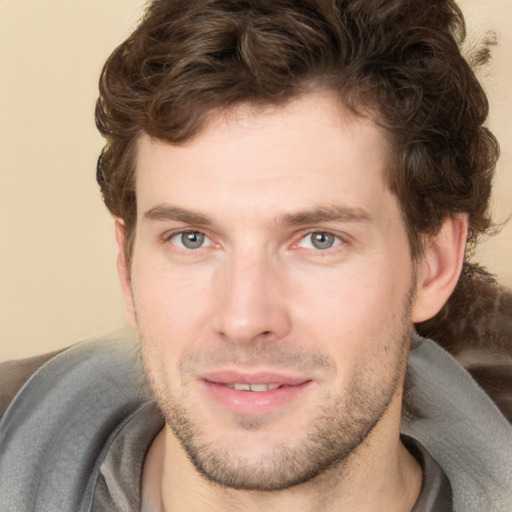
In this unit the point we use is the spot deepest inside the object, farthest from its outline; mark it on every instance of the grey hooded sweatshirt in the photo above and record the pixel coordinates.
(64, 443)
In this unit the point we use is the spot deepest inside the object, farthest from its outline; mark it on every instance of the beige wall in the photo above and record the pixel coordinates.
(57, 272)
(496, 15)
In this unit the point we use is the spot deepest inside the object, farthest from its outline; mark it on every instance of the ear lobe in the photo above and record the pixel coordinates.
(439, 268)
(123, 272)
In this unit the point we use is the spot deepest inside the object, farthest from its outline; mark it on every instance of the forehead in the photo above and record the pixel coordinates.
(271, 160)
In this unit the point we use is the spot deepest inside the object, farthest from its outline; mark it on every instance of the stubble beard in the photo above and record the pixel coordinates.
(333, 436)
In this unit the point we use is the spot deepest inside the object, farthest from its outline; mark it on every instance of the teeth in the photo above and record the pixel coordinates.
(242, 387)
(261, 387)
(253, 387)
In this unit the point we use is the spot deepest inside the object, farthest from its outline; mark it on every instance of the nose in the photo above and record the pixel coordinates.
(250, 301)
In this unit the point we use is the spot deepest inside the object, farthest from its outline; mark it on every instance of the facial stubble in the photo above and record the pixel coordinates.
(335, 432)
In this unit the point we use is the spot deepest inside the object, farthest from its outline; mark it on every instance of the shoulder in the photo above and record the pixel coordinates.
(76, 370)
(14, 374)
(461, 427)
(475, 327)
(61, 420)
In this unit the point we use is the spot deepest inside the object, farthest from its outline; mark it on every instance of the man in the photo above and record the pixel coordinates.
(294, 185)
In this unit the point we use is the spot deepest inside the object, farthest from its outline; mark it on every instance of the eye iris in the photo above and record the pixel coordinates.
(192, 240)
(322, 240)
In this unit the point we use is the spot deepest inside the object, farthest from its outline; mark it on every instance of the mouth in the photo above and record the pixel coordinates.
(255, 394)
(257, 388)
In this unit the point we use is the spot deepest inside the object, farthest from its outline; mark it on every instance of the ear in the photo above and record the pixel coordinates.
(123, 271)
(439, 268)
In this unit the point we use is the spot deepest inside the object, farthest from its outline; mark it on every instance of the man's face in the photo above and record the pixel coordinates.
(272, 287)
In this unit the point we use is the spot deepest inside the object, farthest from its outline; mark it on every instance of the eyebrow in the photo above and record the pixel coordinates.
(163, 212)
(332, 213)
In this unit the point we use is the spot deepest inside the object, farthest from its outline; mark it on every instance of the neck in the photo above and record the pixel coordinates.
(379, 475)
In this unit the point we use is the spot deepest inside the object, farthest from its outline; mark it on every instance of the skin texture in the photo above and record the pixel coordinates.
(251, 294)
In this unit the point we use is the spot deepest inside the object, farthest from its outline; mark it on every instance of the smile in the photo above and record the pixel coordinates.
(253, 387)
(254, 394)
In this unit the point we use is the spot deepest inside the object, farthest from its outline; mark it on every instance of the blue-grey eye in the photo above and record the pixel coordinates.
(190, 240)
(320, 241)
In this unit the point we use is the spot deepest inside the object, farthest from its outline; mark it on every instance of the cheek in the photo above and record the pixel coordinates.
(352, 315)
(353, 297)
(169, 305)
(169, 323)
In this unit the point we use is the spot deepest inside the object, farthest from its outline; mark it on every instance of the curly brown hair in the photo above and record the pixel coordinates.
(395, 61)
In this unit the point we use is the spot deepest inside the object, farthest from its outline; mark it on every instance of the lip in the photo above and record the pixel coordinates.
(260, 377)
(251, 403)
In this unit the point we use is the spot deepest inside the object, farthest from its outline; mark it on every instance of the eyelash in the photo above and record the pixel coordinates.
(338, 240)
(168, 238)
